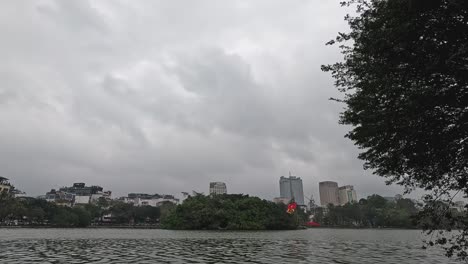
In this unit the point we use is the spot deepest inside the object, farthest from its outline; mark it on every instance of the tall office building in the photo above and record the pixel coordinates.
(218, 188)
(347, 194)
(328, 193)
(294, 184)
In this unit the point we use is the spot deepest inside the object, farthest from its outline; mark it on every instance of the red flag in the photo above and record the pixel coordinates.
(291, 207)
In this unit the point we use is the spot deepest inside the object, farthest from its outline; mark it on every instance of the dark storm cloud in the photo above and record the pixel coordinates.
(164, 97)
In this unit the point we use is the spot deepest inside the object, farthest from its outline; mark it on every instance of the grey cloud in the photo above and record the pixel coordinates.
(167, 96)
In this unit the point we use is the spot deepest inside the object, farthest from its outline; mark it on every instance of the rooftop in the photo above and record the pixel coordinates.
(290, 178)
(213, 184)
(4, 181)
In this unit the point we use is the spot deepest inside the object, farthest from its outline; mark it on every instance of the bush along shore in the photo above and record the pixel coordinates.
(30, 212)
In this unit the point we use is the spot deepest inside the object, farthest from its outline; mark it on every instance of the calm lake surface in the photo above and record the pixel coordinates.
(163, 246)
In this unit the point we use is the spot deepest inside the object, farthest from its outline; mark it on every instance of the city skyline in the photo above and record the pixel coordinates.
(181, 196)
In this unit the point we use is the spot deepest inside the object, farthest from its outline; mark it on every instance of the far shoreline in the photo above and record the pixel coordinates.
(213, 230)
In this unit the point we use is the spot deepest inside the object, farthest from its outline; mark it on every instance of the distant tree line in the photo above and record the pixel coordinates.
(373, 212)
(38, 212)
(232, 212)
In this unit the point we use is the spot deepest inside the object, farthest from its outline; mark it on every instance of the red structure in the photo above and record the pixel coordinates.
(312, 224)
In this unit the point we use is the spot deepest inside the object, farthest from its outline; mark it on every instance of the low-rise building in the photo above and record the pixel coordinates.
(144, 199)
(81, 199)
(18, 194)
(56, 196)
(5, 185)
(77, 194)
(459, 206)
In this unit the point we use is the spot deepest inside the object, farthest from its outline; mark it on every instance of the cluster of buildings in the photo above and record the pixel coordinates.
(144, 199)
(330, 193)
(5, 186)
(291, 188)
(79, 194)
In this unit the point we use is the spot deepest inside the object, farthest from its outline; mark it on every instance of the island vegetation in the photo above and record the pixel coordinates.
(232, 212)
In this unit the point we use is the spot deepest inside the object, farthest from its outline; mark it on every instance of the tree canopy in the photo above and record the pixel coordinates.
(405, 83)
(233, 212)
(373, 212)
(38, 212)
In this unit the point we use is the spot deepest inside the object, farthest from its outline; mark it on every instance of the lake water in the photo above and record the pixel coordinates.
(163, 246)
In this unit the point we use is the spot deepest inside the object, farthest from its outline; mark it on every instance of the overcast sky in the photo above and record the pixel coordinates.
(166, 96)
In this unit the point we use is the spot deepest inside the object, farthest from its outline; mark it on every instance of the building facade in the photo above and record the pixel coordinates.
(218, 188)
(4, 185)
(79, 193)
(292, 184)
(328, 193)
(346, 194)
(459, 206)
(144, 199)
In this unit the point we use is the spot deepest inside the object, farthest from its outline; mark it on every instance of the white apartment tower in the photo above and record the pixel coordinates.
(218, 188)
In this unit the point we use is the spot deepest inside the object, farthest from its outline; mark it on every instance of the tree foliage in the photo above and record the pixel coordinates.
(405, 84)
(373, 212)
(233, 212)
(36, 212)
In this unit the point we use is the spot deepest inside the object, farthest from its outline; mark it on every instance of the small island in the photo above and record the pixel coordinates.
(232, 212)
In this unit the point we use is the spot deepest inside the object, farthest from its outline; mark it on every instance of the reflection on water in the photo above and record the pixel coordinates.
(161, 246)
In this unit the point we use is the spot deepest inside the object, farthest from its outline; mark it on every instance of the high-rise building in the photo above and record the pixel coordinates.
(292, 184)
(328, 193)
(346, 194)
(218, 188)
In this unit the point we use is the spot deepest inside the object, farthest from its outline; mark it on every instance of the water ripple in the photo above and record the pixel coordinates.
(155, 246)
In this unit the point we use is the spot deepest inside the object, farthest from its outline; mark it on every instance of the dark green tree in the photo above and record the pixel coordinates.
(374, 211)
(234, 212)
(405, 84)
(122, 213)
(65, 217)
(83, 216)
